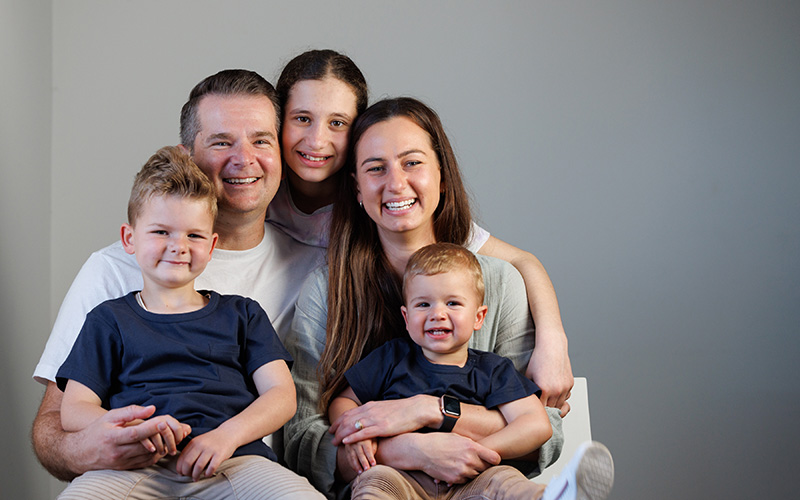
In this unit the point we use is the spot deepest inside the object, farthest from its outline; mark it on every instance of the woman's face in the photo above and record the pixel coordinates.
(398, 176)
(316, 126)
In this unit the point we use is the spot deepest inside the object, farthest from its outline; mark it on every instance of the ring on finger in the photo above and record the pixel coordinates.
(358, 425)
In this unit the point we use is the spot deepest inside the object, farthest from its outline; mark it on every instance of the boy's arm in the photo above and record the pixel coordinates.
(274, 406)
(346, 400)
(528, 428)
(353, 458)
(80, 407)
(549, 365)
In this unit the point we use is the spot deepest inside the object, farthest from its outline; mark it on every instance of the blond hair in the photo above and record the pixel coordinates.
(441, 258)
(170, 171)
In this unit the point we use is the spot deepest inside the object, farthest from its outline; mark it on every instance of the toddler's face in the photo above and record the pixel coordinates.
(441, 312)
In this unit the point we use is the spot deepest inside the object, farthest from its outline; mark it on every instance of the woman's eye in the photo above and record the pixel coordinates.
(303, 119)
(337, 123)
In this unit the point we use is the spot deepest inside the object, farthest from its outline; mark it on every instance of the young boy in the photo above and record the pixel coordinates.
(443, 294)
(210, 364)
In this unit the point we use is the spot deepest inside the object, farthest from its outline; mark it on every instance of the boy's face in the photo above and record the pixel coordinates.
(172, 239)
(441, 312)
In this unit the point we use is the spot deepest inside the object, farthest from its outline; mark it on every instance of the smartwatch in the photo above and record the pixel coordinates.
(451, 410)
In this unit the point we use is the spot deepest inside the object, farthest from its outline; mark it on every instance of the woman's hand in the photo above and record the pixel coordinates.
(386, 418)
(445, 456)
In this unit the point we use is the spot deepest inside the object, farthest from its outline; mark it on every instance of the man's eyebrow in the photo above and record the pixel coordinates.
(217, 136)
(263, 133)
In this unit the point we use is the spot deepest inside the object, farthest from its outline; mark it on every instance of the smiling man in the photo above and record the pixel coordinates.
(230, 126)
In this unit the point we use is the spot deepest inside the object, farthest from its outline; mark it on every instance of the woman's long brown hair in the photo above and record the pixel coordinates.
(364, 295)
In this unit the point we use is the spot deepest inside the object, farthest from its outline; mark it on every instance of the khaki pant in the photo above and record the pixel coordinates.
(500, 482)
(247, 477)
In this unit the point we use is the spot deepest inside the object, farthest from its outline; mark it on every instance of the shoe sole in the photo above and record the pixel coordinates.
(595, 474)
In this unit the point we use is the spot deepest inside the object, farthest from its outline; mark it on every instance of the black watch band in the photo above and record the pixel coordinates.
(451, 410)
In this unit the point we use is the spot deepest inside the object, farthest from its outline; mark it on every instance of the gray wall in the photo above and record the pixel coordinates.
(645, 151)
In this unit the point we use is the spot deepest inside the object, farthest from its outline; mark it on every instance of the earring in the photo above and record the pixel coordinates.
(361, 204)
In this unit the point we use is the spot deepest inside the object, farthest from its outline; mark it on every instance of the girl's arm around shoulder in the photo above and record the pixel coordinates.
(549, 365)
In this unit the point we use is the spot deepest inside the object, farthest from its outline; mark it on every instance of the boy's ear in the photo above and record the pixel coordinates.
(214, 240)
(126, 234)
(405, 315)
(480, 315)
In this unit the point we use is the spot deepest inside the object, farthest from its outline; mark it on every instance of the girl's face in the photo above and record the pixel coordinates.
(398, 177)
(316, 127)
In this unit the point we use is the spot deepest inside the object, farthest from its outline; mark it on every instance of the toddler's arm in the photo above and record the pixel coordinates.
(528, 428)
(549, 365)
(360, 454)
(274, 406)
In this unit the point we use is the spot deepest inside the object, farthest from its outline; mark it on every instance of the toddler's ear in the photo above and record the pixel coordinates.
(126, 234)
(480, 315)
(405, 315)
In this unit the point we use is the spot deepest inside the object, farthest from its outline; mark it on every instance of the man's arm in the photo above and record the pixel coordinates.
(106, 444)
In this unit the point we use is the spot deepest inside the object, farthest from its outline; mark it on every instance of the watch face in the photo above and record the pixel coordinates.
(452, 406)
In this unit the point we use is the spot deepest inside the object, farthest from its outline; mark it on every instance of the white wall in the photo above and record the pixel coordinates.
(646, 151)
(25, 113)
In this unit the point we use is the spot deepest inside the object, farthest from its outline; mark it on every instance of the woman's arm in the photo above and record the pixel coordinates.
(549, 365)
(398, 416)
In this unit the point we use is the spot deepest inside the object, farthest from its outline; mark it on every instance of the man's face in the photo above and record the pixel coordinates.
(237, 148)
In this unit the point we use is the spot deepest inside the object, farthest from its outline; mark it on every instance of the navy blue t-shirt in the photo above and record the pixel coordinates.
(398, 369)
(195, 366)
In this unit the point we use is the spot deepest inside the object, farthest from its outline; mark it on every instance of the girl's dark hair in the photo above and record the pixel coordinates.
(316, 65)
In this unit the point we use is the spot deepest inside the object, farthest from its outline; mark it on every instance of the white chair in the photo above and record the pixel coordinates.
(577, 429)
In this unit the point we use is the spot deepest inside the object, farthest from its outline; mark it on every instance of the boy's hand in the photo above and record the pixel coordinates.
(204, 454)
(169, 433)
(361, 455)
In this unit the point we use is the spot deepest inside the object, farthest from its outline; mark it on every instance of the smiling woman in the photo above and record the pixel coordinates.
(405, 174)
(398, 177)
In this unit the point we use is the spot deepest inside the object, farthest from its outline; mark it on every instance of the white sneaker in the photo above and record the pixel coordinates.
(589, 475)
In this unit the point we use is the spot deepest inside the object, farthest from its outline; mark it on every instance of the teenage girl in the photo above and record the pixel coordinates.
(321, 93)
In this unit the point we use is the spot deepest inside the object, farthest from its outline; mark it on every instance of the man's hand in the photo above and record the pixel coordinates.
(109, 442)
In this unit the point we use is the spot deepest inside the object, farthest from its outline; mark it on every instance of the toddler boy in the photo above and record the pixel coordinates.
(210, 364)
(443, 295)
